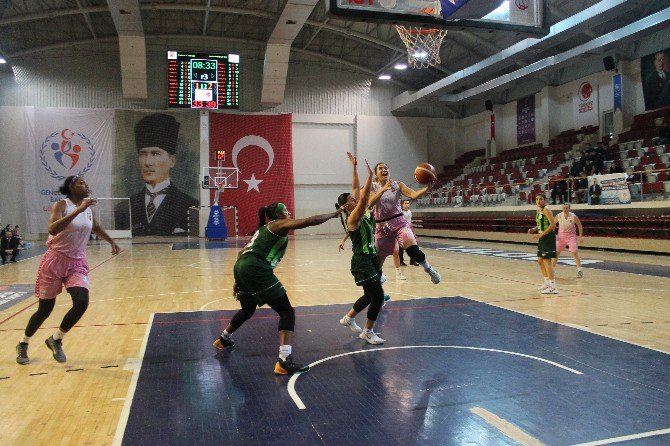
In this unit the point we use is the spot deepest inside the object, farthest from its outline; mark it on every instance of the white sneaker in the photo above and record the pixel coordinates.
(434, 275)
(382, 278)
(387, 297)
(549, 290)
(400, 276)
(351, 323)
(371, 337)
(542, 287)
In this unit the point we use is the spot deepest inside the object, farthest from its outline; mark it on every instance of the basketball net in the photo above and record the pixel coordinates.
(423, 45)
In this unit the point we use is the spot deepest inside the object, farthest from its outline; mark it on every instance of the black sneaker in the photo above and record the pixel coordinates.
(413, 263)
(22, 353)
(56, 347)
(222, 343)
(403, 264)
(287, 366)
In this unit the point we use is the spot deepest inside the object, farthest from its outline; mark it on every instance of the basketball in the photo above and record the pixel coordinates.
(425, 174)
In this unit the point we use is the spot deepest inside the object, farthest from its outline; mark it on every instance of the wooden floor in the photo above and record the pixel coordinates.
(81, 402)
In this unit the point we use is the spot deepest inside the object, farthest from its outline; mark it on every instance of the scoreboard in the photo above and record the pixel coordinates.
(205, 81)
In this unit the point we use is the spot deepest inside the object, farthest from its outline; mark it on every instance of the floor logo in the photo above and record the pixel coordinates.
(12, 294)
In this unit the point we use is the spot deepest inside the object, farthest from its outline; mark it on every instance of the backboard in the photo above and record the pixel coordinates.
(220, 177)
(518, 16)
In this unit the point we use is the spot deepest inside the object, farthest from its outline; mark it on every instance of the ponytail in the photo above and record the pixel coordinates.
(262, 212)
(341, 200)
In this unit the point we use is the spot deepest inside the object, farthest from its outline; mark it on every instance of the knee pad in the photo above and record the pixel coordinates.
(416, 254)
(287, 319)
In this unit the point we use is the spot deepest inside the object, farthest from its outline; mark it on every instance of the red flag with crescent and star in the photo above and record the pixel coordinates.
(259, 146)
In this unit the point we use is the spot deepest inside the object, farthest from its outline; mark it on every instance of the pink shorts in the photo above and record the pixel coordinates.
(566, 239)
(56, 270)
(389, 234)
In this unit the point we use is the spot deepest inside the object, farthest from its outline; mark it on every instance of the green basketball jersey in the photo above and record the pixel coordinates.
(266, 245)
(541, 221)
(363, 238)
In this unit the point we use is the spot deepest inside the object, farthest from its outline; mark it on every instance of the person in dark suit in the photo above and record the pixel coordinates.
(595, 191)
(160, 208)
(657, 83)
(9, 246)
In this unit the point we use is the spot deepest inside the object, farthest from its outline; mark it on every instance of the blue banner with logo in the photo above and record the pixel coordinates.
(525, 120)
(616, 85)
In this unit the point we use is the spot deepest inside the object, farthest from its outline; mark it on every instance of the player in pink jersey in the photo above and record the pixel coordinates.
(392, 229)
(64, 263)
(568, 224)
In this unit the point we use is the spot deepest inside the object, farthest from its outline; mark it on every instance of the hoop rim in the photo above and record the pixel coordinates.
(417, 30)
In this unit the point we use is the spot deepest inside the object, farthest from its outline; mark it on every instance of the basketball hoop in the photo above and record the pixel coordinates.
(220, 184)
(423, 45)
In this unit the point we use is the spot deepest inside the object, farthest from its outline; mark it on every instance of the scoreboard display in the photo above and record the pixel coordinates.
(204, 81)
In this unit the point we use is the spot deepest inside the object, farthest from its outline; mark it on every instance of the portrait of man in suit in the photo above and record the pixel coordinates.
(160, 207)
(657, 81)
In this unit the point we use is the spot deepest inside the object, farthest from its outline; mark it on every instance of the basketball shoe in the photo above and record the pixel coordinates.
(222, 343)
(382, 278)
(351, 323)
(56, 347)
(580, 274)
(387, 298)
(371, 337)
(549, 290)
(22, 353)
(287, 366)
(434, 275)
(400, 276)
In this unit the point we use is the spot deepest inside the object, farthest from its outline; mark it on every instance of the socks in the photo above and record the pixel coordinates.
(284, 352)
(59, 334)
(26, 339)
(225, 334)
(552, 283)
(425, 264)
(546, 281)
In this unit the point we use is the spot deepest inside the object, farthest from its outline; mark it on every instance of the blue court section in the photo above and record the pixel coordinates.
(461, 356)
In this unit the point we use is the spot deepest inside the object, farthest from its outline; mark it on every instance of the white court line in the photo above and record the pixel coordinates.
(217, 300)
(298, 402)
(136, 365)
(626, 438)
(510, 430)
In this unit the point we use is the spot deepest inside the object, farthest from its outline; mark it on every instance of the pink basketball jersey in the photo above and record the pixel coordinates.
(389, 204)
(72, 240)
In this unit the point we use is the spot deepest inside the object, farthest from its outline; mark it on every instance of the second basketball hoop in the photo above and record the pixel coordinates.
(423, 45)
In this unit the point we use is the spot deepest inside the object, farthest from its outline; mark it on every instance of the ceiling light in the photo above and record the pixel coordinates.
(400, 66)
(384, 77)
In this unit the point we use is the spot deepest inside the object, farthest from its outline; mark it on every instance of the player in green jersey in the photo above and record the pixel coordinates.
(546, 244)
(257, 285)
(364, 263)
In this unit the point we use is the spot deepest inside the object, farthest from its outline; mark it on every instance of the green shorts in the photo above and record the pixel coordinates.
(546, 246)
(256, 280)
(365, 268)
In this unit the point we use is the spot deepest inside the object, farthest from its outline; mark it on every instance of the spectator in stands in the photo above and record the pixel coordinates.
(559, 190)
(657, 83)
(616, 167)
(663, 135)
(7, 228)
(16, 233)
(9, 246)
(576, 168)
(581, 186)
(595, 191)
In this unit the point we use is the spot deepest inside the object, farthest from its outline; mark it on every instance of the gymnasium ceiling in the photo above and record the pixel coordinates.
(33, 28)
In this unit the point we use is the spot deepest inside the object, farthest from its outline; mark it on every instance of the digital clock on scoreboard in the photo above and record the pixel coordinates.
(200, 80)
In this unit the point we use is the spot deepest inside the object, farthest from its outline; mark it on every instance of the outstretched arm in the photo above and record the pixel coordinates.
(281, 227)
(355, 216)
(414, 194)
(355, 182)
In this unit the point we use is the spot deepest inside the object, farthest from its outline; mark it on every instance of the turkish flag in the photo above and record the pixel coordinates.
(259, 146)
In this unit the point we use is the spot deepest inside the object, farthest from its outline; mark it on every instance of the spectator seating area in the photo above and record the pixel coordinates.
(657, 227)
(515, 176)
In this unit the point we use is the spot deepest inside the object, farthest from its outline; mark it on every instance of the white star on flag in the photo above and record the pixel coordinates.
(252, 183)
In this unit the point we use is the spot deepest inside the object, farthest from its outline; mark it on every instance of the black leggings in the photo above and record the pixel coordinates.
(282, 306)
(46, 306)
(373, 295)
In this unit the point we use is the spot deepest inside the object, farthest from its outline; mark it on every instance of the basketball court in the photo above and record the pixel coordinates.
(482, 357)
